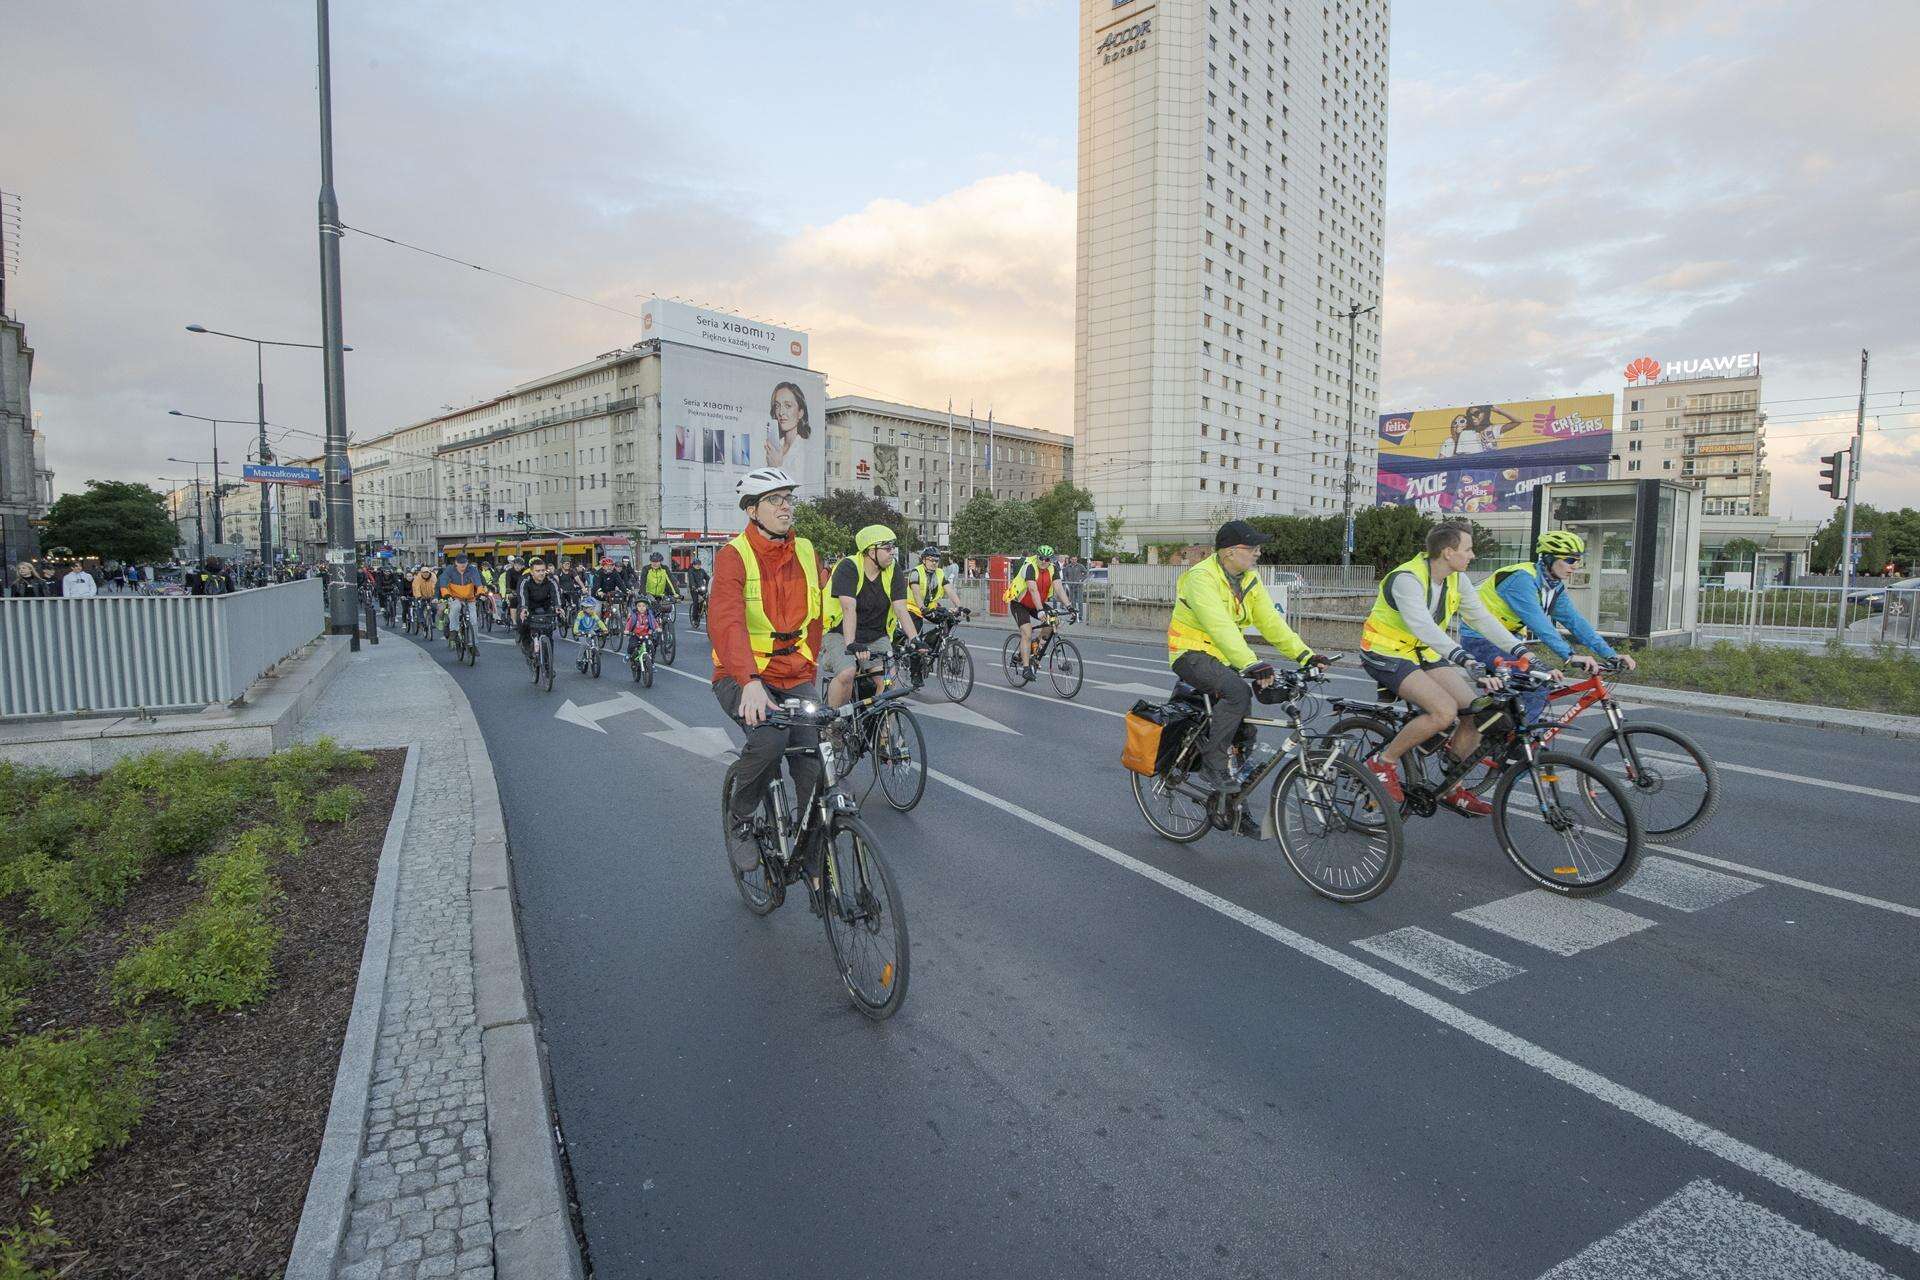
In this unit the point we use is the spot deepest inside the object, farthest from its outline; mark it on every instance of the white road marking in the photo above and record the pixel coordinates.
(1162, 668)
(1564, 926)
(1705, 1230)
(961, 715)
(1683, 888)
(1441, 961)
(589, 717)
(1137, 690)
(1078, 706)
(1703, 1137)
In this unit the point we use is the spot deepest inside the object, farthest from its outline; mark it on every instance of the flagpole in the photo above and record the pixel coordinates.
(991, 491)
(950, 492)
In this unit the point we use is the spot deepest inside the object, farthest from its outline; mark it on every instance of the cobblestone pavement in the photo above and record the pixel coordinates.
(420, 1204)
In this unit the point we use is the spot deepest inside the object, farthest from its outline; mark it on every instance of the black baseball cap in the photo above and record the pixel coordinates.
(1238, 533)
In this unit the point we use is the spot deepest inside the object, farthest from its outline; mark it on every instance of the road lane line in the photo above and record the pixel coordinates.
(1564, 926)
(1704, 1229)
(1441, 961)
(1697, 1134)
(1680, 887)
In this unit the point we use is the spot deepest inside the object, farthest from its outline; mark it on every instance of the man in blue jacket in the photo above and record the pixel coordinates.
(1529, 598)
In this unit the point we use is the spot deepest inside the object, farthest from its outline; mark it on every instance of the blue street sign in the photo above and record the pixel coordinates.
(270, 474)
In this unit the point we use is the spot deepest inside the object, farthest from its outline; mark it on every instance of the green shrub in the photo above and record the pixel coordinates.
(290, 802)
(337, 804)
(46, 821)
(96, 871)
(220, 953)
(18, 970)
(307, 764)
(20, 1246)
(71, 1095)
(1882, 680)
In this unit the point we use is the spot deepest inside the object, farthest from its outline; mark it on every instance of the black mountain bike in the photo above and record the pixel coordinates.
(947, 658)
(668, 642)
(1057, 654)
(825, 845)
(1336, 827)
(1564, 821)
(883, 729)
(465, 648)
(540, 649)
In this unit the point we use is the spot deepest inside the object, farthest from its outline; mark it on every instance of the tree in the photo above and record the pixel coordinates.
(1738, 553)
(1106, 540)
(854, 511)
(973, 526)
(1387, 536)
(828, 537)
(114, 521)
(1016, 528)
(1058, 511)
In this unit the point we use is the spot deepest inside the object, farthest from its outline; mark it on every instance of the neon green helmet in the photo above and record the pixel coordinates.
(1044, 551)
(872, 536)
(1560, 542)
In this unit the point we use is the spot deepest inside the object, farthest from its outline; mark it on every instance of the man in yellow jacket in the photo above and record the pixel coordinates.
(1216, 601)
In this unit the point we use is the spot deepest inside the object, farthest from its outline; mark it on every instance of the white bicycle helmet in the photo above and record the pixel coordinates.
(756, 485)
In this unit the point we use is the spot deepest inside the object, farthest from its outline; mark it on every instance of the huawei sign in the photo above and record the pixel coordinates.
(1645, 369)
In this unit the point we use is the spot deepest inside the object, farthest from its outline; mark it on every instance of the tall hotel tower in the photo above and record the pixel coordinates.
(1232, 179)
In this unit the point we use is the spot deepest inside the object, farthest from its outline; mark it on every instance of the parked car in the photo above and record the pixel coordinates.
(1875, 598)
(1289, 580)
(1097, 575)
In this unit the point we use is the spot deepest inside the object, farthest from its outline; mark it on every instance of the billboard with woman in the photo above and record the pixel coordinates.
(721, 416)
(1489, 457)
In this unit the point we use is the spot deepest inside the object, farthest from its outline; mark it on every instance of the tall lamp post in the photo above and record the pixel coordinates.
(199, 523)
(339, 498)
(1346, 494)
(232, 422)
(260, 399)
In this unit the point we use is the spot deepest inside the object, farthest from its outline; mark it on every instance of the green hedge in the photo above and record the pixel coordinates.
(1880, 680)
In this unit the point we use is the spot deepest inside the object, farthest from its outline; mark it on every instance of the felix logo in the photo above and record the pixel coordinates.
(1394, 427)
(1645, 369)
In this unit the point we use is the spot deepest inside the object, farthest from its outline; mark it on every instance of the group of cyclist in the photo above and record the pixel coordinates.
(1404, 642)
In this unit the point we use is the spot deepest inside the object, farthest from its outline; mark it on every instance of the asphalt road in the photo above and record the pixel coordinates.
(1122, 1057)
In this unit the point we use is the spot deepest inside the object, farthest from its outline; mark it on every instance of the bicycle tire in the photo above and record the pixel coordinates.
(1653, 777)
(546, 665)
(1355, 877)
(955, 669)
(1016, 672)
(760, 889)
(593, 664)
(878, 898)
(903, 793)
(472, 654)
(1065, 667)
(669, 647)
(1554, 878)
(1166, 783)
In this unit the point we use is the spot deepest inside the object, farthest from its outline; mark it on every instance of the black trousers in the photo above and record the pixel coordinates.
(766, 746)
(1232, 699)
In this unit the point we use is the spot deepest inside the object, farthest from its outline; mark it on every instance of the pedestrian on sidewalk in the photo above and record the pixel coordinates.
(1075, 575)
(78, 584)
(23, 583)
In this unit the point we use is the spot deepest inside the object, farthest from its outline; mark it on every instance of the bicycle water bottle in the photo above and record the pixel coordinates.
(1256, 759)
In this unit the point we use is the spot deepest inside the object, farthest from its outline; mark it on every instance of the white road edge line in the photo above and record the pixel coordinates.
(1809, 1186)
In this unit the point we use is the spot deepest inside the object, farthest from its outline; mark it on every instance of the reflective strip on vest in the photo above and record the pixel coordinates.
(928, 599)
(760, 628)
(1385, 631)
(1184, 632)
(1496, 605)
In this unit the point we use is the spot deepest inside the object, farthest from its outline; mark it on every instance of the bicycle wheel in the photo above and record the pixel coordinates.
(1172, 806)
(1064, 668)
(899, 753)
(1555, 836)
(472, 648)
(1337, 829)
(669, 647)
(1010, 661)
(866, 921)
(533, 662)
(593, 662)
(1673, 784)
(954, 666)
(546, 665)
(760, 888)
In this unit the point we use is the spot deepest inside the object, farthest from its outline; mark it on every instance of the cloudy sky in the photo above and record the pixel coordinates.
(1570, 186)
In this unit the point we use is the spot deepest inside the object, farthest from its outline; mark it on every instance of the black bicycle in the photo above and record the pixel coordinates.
(1336, 826)
(588, 663)
(1542, 800)
(539, 649)
(669, 641)
(465, 648)
(825, 844)
(946, 658)
(885, 731)
(1059, 655)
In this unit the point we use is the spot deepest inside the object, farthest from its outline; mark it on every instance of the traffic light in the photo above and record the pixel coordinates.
(1831, 472)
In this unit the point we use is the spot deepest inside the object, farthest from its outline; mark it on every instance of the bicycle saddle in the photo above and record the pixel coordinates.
(1184, 692)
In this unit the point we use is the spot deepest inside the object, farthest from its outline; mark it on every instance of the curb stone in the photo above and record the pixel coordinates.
(323, 1218)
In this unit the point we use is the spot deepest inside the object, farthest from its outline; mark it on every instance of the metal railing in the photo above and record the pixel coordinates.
(1810, 616)
(156, 653)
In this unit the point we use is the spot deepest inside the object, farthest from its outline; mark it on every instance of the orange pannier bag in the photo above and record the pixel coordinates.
(1153, 732)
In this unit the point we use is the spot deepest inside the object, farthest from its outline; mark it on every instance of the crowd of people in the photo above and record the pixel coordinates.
(71, 578)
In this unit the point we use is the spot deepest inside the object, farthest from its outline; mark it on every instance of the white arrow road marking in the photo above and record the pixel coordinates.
(961, 715)
(701, 740)
(1141, 690)
(589, 717)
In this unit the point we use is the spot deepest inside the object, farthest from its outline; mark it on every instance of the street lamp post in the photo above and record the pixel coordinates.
(232, 422)
(339, 499)
(1346, 496)
(260, 400)
(199, 523)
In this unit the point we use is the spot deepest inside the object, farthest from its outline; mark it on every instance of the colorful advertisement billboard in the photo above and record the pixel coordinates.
(722, 416)
(1490, 457)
